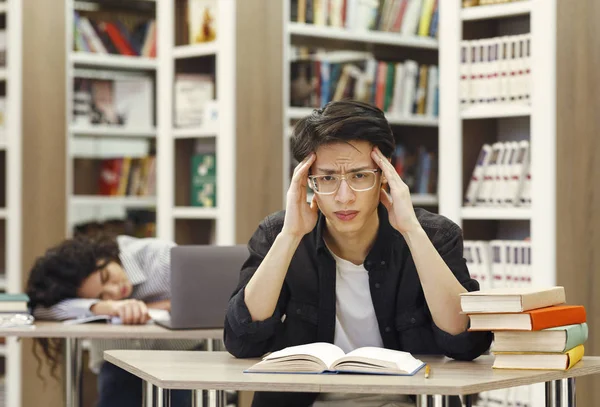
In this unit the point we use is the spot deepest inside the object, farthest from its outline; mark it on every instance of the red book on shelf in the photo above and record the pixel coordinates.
(110, 173)
(121, 43)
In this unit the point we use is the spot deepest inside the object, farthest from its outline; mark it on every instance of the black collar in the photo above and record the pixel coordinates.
(381, 250)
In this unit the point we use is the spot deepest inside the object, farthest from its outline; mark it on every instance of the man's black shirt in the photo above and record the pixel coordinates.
(305, 311)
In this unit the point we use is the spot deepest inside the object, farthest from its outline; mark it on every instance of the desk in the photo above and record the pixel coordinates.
(74, 334)
(167, 370)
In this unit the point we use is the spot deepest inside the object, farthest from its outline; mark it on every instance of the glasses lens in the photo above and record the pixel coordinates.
(326, 184)
(361, 180)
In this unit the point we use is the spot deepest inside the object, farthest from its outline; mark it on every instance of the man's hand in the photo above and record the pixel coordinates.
(300, 218)
(398, 203)
(131, 312)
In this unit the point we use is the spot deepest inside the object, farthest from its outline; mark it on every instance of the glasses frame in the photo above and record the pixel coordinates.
(312, 179)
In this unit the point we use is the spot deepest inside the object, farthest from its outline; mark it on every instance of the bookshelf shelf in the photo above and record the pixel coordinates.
(2, 346)
(296, 113)
(3, 213)
(496, 213)
(195, 132)
(496, 11)
(106, 131)
(186, 212)
(3, 145)
(196, 50)
(495, 111)
(371, 37)
(125, 201)
(3, 8)
(3, 74)
(112, 61)
(424, 199)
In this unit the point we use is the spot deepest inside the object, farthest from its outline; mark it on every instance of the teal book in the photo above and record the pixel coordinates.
(557, 339)
(14, 302)
(204, 180)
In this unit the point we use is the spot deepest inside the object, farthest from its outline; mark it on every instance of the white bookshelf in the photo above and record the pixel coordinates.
(316, 36)
(370, 37)
(540, 217)
(12, 213)
(496, 11)
(111, 61)
(111, 131)
(223, 135)
(103, 141)
(3, 74)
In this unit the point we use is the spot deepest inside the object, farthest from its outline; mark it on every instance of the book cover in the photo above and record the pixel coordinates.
(204, 180)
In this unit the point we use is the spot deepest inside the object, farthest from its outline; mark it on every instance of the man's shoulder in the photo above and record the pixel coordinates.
(274, 221)
(435, 224)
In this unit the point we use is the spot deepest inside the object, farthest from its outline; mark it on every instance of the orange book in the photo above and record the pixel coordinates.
(534, 320)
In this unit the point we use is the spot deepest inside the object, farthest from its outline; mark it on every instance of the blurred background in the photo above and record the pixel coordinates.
(172, 118)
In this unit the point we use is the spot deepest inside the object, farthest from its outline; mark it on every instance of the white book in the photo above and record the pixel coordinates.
(521, 58)
(485, 196)
(335, 13)
(482, 256)
(518, 173)
(486, 71)
(478, 174)
(498, 263)
(500, 178)
(526, 192)
(432, 85)
(465, 73)
(398, 89)
(503, 69)
(468, 254)
(514, 86)
(410, 86)
(527, 68)
(85, 27)
(351, 13)
(410, 21)
(475, 83)
(511, 158)
(493, 78)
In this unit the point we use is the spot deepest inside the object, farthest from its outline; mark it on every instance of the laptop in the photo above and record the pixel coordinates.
(202, 281)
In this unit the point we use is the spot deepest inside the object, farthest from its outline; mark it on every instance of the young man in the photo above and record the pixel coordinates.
(122, 277)
(358, 266)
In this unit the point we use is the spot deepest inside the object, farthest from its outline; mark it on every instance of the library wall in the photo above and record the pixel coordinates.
(578, 169)
(43, 166)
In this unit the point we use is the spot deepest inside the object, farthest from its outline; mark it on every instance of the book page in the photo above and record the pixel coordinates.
(403, 360)
(327, 352)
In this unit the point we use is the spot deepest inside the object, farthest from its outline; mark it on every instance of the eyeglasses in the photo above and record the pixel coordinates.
(358, 181)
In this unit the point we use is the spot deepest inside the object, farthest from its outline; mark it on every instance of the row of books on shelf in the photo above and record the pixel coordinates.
(502, 176)
(499, 263)
(397, 88)
(137, 222)
(475, 3)
(103, 97)
(496, 70)
(417, 168)
(406, 17)
(128, 176)
(114, 37)
(533, 328)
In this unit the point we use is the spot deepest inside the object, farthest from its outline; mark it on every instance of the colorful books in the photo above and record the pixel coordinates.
(511, 299)
(533, 320)
(323, 357)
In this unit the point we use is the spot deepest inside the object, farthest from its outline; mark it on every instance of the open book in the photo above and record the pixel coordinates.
(155, 314)
(323, 357)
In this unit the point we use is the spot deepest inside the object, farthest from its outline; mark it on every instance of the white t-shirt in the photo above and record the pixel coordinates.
(356, 326)
(355, 321)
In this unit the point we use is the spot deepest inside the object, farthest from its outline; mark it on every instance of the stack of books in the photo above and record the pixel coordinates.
(533, 328)
(14, 310)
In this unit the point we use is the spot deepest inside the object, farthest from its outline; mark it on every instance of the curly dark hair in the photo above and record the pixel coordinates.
(59, 273)
(342, 121)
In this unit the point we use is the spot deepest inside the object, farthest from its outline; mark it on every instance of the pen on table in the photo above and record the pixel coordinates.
(427, 370)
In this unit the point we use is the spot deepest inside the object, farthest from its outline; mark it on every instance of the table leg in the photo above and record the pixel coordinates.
(148, 394)
(561, 393)
(163, 397)
(73, 369)
(216, 398)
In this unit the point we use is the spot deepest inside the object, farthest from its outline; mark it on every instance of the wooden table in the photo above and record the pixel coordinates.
(167, 370)
(74, 334)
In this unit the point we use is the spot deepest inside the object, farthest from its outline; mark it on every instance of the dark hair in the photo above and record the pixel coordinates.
(58, 274)
(342, 121)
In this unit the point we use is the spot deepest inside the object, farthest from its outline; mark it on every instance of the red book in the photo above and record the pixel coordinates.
(115, 36)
